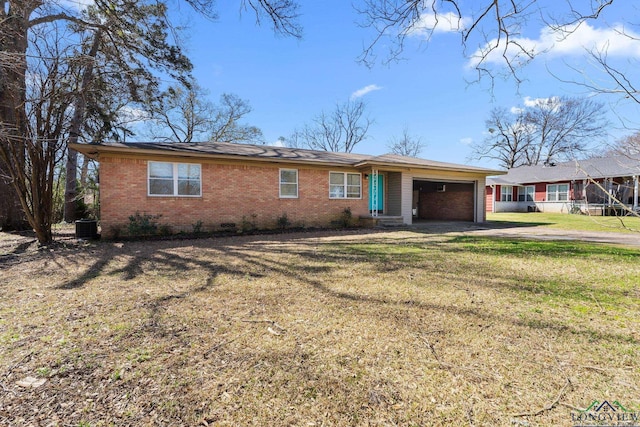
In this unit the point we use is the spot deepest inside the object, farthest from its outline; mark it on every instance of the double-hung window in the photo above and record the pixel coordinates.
(506, 193)
(525, 194)
(174, 179)
(557, 192)
(343, 185)
(289, 183)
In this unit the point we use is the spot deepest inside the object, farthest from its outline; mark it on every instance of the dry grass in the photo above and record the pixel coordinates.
(364, 328)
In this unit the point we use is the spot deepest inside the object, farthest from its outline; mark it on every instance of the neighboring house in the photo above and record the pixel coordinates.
(597, 186)
(221, 185)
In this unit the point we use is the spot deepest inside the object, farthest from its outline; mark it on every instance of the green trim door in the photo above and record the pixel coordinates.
(380, 204)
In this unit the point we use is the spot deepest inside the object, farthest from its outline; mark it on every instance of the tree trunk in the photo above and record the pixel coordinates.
(13, 121)
(71, 184)
(11, 215)
(84, 172)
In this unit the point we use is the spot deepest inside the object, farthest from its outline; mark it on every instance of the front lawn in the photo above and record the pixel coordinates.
(626, 224)
(311, 329)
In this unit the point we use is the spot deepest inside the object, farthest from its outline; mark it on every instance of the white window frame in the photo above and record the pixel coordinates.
(506, 194)
(556, 193)
(281, 183)
(175, 179)
(525, 191)
(345, 185)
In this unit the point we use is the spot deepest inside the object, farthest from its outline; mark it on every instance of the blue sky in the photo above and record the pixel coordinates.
(288, 81)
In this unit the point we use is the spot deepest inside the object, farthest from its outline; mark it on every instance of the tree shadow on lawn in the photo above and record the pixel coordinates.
(474, 312)
(251, 254)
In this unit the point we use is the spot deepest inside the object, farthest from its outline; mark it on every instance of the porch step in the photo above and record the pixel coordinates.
(389, 222)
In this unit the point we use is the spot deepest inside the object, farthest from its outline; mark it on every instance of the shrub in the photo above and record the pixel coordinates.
(283, 221)
(197, 227)
(143, 224)
(249, 225)
(165, 230)
(346, 218)
(114, 232)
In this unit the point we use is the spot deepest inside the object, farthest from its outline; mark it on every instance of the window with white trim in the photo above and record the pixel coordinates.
(344, 185)
(526, 193)
(174, 179)
(506, 193)
(557, 192)
(289, 183)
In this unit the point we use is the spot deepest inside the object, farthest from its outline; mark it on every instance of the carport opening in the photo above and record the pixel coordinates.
(443, 200)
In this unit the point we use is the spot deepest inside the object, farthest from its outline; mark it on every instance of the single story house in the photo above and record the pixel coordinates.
(220, 184)
(597, 186)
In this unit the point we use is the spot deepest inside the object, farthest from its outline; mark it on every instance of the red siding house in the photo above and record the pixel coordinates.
(596, 186)
(218, 185)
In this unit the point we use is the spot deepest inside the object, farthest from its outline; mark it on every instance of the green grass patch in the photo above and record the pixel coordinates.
(552, 249)
(627, 224)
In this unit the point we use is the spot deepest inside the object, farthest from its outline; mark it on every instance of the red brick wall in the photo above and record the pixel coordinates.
(229, 192)
(454, 204)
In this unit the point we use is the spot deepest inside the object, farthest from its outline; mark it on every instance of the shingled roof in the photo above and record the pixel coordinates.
(596, 168)
(269, 153)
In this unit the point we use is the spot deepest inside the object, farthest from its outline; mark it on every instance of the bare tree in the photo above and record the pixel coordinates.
(628, 146)
(488, 29)
(564, 128)
(183, 114)
(226, 125)
(180, 114)
(508, 138)
(550, 130)
(341, 130)
(140, 42)
(406, 145)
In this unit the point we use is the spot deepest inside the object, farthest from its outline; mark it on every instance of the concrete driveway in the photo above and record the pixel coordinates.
(515, 230)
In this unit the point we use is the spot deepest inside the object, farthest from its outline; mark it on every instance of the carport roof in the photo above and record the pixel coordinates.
(273, 154)
(596, 168)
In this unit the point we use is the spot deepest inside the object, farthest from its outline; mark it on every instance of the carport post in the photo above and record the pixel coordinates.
(635, 192)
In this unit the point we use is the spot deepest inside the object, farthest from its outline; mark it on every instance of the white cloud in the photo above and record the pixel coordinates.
(567, 41)
(365, 90)
(552, 102)
(528, 102)
(430, 23)
(279, 143)
(466, 141)
(133, 115)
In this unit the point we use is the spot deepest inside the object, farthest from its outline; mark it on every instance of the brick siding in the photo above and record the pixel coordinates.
(230, 192)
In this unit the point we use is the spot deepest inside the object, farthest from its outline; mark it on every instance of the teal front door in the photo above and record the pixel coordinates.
(379, 203)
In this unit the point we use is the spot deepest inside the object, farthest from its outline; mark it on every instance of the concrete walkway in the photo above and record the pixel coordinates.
(524, 231)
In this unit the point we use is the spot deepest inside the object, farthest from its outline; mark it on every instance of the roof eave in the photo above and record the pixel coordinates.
(93, 151)
(457, 168)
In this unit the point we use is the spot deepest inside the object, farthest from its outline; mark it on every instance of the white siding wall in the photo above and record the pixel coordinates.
(407, 198)
(512, 206)
(481, 210)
